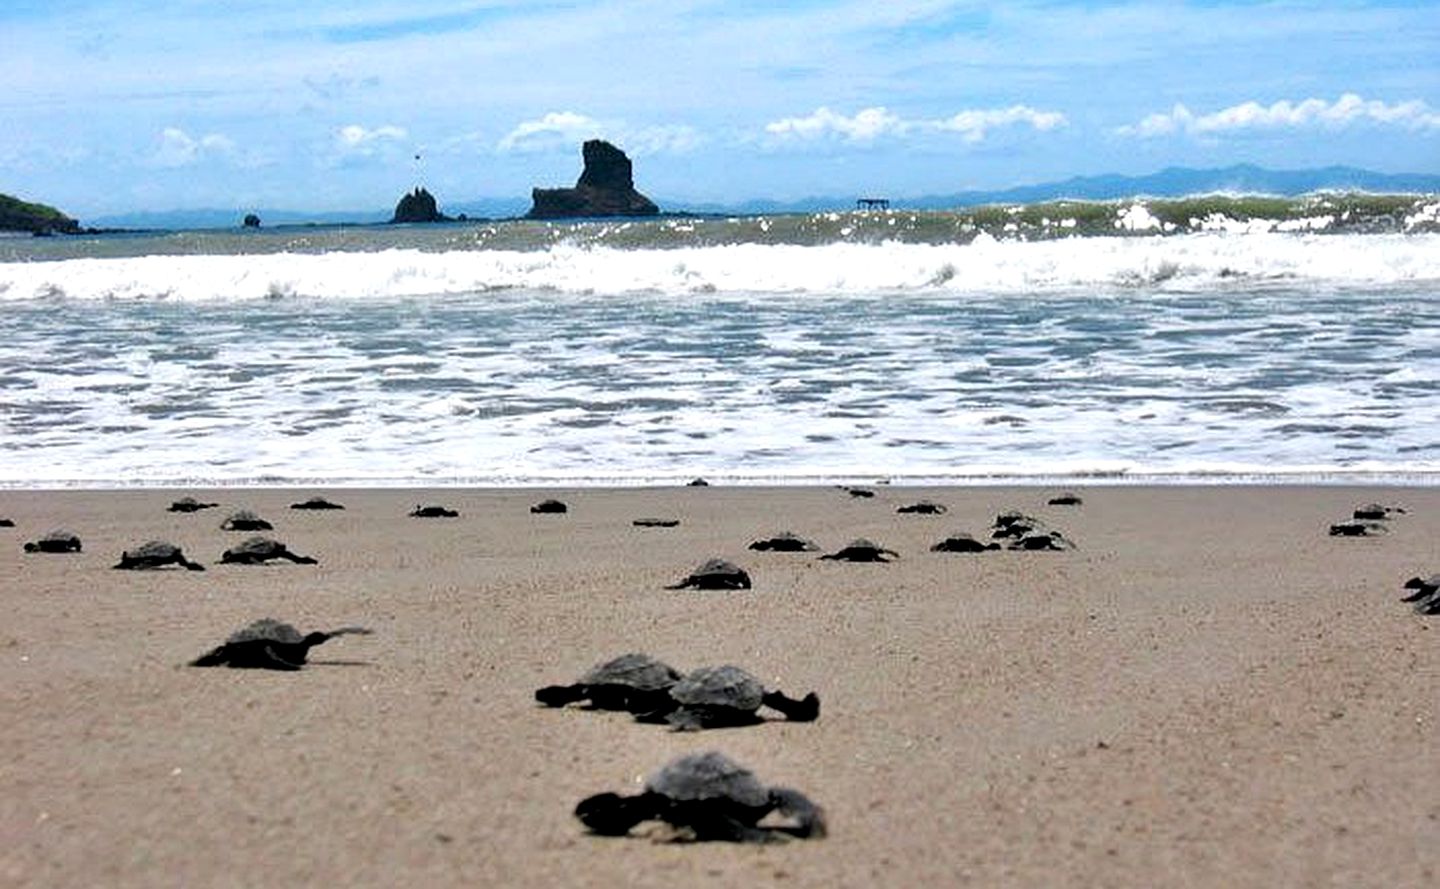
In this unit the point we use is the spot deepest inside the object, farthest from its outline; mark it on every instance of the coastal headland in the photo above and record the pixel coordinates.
(1208, 690)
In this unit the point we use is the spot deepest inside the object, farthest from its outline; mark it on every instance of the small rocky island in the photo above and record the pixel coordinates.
(606, 188)
(38, 219)
(418, 206)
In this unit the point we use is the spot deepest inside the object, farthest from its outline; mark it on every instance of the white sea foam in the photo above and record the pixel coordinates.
(984, 265)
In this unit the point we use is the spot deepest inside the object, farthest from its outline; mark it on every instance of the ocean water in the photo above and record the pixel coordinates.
(1114, 343)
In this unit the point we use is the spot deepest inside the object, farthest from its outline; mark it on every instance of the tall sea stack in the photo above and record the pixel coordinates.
(606, 188)
(418, 206)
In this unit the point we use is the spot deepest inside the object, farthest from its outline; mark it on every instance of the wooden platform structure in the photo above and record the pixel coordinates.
(872, 203)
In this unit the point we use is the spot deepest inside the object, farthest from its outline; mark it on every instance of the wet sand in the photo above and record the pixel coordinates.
(1208, 691)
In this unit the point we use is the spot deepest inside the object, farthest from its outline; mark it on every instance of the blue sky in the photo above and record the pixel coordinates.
(123, 105)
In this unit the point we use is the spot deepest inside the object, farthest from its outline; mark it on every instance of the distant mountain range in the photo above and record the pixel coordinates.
(1170, 182)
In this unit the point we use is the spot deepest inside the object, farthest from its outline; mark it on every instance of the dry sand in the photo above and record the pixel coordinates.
(1209, 691)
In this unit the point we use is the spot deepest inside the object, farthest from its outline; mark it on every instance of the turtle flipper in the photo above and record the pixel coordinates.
(298, 559)
(807, 709)
(215, 657)
(193, 566)
(809, 818)
(270, 659)
(610, 814)
(560, 695)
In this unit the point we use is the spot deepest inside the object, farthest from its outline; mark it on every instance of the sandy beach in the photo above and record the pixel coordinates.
(1208, 691)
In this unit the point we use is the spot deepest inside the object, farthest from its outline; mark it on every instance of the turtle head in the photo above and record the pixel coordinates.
(612, 815)
(808, 818)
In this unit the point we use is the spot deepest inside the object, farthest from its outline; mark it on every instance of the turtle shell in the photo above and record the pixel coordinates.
(269, 629)
(634, 670)
(923, 507)
(962, 543)
(710, 775)
(188, 504)
(245, 520)
(60, 537)
(785, 542)
(153, 550)
(726, 686)
(719, 574)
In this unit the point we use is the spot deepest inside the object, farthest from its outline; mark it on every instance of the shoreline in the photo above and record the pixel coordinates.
(1209, 690)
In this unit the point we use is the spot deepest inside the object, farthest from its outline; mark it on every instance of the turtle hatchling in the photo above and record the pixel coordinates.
(1358, 528)
(715, 574)
(245, 520)
(189, 504)
(718, 697)
(1426, 595)
(155, 554)
(1067, 498)
(7, 523)
(433, 512)
(268, 644)
(785, 542)
(962, 543)
(712, 797)
(57, 541)
(924, 507)
(1015, 525)
(549, 506)
(1052, 541)
(650, 522)
(862, 550)
(316, 503)
(258, 550)
(634, 682)
(1371, 512)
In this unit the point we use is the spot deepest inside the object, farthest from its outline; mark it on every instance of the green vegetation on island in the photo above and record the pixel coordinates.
(39, 219)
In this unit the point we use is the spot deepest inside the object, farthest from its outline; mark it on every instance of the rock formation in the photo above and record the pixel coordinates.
(418, 206)
(18, 215)
(606, 188)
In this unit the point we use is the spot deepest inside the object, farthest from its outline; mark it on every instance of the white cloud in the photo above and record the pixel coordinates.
(360, 140)
(565, 130)
(555, 129)
(179, 149)
(870, 124)
(1347, 110)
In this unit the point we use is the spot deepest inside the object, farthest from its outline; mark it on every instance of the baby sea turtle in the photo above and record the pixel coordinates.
(1426, 595)
(57, 541)
(1358, 529)
(549, 506)
(717, 697)
(155, 554)
(862, 550)
(715, 574)
(1067, 498)
(316, 503)
(785, 542)
(268, 644)
(7, 523)
(924, 507)
(259, 550)
(697, 483)
(962, 543)
(433, 512)
(860, 493)
(711, 796)
(245, 520)
(1014, 524)
(655, 523)
(1371, 512)
(189, 504)
(634, 682)
(1053, 541)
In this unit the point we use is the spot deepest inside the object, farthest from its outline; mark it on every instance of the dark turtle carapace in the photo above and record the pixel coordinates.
(269, 644)
(258, 550)
(155, 554)
(431, 511)
(549, 507)
(923, 507)
(1051, 541)
(1014, 525)
(1373, 512)
(319, 503)
(1358, 528)
(634, 682)
(189, 504)
(718, 697)
(245, 520)
(57, 541)
(715, 574)
(784, 542)
(860, 493)
(652, 522)
(697, 483)
(1066, 498)
(7, 523)
(710, 796)
(962, 543)
(862, 550)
